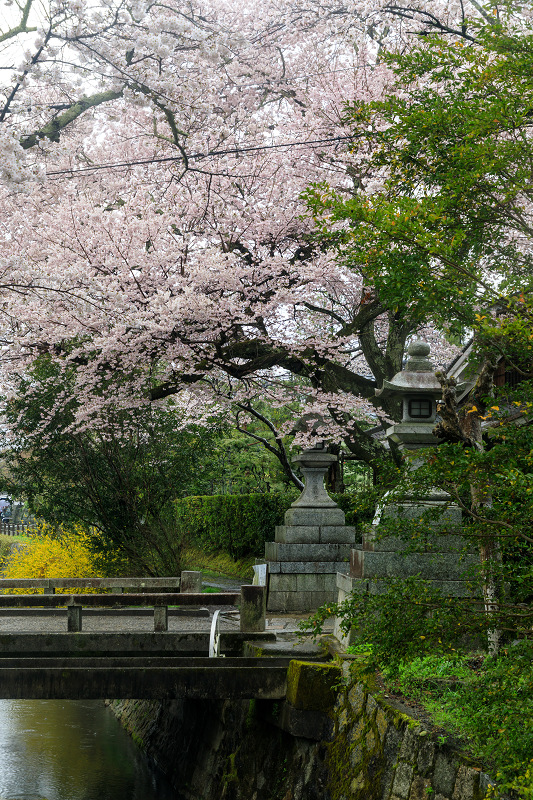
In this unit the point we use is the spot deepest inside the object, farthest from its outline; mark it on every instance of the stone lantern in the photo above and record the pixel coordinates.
(419, 389)
(313, 544)
(383, 555)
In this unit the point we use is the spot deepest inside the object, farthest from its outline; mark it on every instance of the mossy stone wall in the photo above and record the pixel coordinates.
(380, 753)
(239, 750)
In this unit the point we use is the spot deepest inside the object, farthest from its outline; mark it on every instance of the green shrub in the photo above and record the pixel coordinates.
(237, 524)
(241, 524)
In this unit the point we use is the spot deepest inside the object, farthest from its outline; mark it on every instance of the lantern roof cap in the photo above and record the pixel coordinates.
(417, 377)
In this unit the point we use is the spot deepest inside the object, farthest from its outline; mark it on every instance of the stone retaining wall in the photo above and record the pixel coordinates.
(334, 740)
(380, 753)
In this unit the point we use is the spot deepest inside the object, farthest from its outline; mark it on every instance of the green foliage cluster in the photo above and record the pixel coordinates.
(118, 478)
(409, 620)
(422, 643)
(218, 563)
(486, 701)
(236, 524)
(452, 150)
(241, 524)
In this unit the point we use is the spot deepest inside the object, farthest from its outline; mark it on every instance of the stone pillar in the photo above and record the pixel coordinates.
(191, 582)
(160, 618)
(74, 618)
(253, 608)
(313, 544)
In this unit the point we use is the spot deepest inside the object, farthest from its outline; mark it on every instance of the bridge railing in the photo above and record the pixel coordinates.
(49, 585)
(251, 601)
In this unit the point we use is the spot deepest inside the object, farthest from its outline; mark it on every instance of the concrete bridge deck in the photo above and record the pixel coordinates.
(152, 678)
(148, 665)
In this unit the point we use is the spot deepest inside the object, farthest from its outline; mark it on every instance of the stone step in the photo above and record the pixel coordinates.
(298, 601)
(307, 567)
(434, 541)
(279, 551)
(314, 516)
(430, 566)
(449, 588)
(303, 582)
(449, 515)
(315, 534)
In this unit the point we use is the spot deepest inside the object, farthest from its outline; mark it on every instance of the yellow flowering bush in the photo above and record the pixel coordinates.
(52, 553)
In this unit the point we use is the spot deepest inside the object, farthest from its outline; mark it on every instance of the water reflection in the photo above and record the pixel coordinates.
(71, 750)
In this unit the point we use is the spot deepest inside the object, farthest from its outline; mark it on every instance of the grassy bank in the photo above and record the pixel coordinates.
(218, 564)
(484, 703)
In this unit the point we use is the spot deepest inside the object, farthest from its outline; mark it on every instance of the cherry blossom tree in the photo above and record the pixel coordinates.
(153, 160)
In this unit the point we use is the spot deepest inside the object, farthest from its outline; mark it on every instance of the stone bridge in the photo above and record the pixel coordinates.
(156, 665)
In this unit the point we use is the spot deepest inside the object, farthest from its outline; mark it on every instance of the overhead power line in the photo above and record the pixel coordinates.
(196, 156)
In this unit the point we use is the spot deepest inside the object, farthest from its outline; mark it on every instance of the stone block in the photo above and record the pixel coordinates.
(306, 601)
(419, 788)
(382, 723)
(297, 534)
(310, 583)
(346, 639)
(309, 567)
(253, 608)
(161, 618)
(278, 551)
(344, 583)
(409, 748)
(448, 588)
(312, 686)
(371, 705)
(402, 780)
(300, 601)
(356, 757)
(438, 566)
(314, 516)
(273, 568)
(74, 618)
(444, 774)
(277, 601)
(191, 581)
(283, 583)
(358, 729)
(466, 784)
(337, 534)
(393, 740)
(305, 723)
(386, 781)
(357, 558)
(357, 698)
(426, 756)
(447, 515)
(447, 542)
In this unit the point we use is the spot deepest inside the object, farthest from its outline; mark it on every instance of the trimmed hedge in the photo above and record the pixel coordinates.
(241, 524)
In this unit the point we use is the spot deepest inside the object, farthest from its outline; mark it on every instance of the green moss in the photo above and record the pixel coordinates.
(137, 739)
(250, 715)
(230, 774)
(253, 650)
(312, 686)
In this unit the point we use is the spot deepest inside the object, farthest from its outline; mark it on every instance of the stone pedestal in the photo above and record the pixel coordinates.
(442, 557)
(311, 547)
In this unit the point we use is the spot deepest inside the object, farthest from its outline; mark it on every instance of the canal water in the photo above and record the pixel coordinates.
(72, 750)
